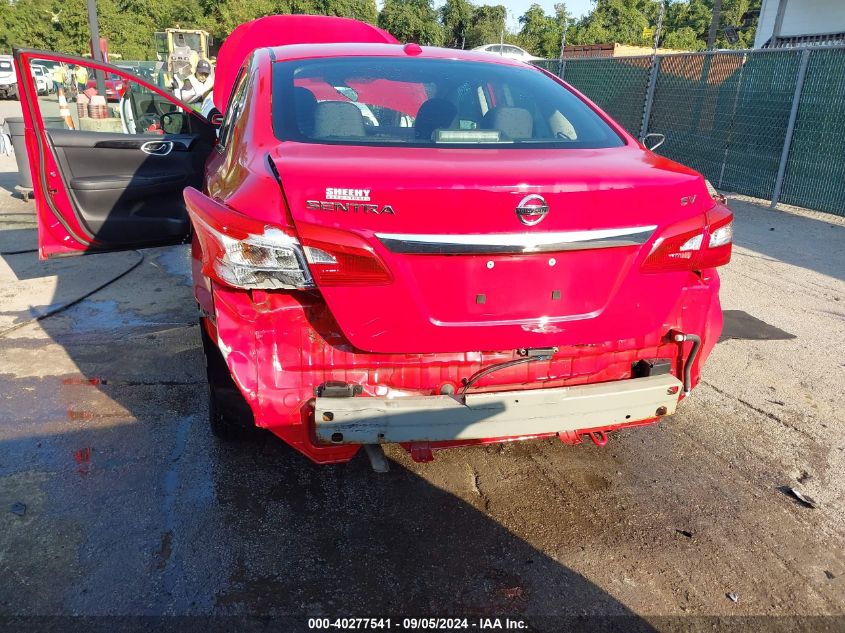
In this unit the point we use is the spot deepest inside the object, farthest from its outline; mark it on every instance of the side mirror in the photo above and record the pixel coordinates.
(175, 122)
(653, 140)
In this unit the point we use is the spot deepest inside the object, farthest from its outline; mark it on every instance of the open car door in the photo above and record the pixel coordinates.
(110, 154)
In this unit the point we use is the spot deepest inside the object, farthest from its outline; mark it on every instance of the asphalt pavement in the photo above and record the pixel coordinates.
(116, 500)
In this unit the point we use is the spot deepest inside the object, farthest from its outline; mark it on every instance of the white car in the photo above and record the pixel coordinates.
(43, 79)
(8, 78)
(508, 50)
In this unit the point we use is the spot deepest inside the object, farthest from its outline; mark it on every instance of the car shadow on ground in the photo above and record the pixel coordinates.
(782, 238)
(125, 504)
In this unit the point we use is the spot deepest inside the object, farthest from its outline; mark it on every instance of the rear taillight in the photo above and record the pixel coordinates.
(720, 235)
(339, 258)
(242, 252)
(245, 253)
(271, 260)
(704, 241)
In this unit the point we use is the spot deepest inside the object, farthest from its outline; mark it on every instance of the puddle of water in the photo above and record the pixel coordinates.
(177, 262)
(98, 316)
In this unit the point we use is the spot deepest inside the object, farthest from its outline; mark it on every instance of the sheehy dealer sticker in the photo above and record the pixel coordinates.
(352, 195)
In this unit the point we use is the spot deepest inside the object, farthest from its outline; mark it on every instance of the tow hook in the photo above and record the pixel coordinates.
(599, 438)
(421, 452)
(680, 337)
(574, 437)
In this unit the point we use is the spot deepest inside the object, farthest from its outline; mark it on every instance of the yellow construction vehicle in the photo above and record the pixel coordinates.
(180, 50)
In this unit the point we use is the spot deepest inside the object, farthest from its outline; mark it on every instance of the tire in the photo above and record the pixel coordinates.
(229, 415)
(221, 426)
(14, 93)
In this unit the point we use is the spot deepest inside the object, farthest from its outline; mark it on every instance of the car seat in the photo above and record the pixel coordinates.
(305, 106)
(434, 114)
(338, 119)
(513, 123)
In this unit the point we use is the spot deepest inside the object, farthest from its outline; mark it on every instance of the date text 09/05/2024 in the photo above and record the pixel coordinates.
(418, 624)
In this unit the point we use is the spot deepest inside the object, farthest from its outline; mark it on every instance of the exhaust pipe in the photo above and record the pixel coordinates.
(378, 460)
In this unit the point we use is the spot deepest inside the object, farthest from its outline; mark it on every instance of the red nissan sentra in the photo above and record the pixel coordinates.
(401, 244)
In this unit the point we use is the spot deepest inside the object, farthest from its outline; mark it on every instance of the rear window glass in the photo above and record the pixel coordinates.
(429, 102)
(5, 65)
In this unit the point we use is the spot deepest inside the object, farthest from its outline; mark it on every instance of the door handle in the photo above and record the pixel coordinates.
(157, 148)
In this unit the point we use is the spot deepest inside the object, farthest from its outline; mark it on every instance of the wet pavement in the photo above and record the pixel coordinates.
(116, 500)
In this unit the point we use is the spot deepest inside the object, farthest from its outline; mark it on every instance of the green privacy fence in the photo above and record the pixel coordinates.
(618, 85)
(766, 123)
(815, 171)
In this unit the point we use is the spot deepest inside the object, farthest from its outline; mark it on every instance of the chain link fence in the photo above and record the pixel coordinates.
(765, 123)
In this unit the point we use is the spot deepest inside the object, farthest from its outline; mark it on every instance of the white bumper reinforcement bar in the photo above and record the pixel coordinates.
(366, 420)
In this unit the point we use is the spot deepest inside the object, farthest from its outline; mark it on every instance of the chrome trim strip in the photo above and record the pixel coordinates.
(413, 243)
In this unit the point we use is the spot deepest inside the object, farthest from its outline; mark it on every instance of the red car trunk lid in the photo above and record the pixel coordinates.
(472, 272)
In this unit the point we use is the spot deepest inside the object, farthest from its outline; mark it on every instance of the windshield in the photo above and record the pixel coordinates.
(191, 40)
(430, 102)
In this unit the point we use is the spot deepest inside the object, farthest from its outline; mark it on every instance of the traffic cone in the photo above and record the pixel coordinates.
(64, 110)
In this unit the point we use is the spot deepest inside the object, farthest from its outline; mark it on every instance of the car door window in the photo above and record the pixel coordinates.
(234, 109)
(87, 99)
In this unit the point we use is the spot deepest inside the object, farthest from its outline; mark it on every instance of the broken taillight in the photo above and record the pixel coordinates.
(704, 241)
(242, 252)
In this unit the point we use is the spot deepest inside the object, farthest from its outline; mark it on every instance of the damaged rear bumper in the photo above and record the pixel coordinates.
(373, 420)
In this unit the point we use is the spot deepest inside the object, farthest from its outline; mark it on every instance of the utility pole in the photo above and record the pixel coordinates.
(714, 24)
(659, 28)
(562, 47)
(94, 27)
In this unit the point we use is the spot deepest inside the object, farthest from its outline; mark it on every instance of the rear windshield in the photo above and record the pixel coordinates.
(5, 65)
(430, 102)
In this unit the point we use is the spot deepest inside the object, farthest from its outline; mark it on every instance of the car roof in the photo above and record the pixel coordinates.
(311, 51)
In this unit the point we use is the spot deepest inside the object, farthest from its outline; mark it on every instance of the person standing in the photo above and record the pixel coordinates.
(81, 75)
(59, 77)
(198, 85)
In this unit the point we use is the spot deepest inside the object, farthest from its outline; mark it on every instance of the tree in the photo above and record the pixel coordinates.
(411, 21)
(456, 17)
(686, 25)
(617, 21)
(129, 24)
(488, 25)
(364, 10)
(541, 34)
(732, 12)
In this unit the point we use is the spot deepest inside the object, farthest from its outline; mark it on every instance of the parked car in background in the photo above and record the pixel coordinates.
(43, 79)
(508, 50)
(8, 78)
(481, 256)
(113, 84)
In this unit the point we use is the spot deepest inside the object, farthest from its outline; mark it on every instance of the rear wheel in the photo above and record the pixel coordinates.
(229, 415)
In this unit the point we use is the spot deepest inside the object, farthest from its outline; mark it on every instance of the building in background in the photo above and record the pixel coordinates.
(792, 23)
(574, 51)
